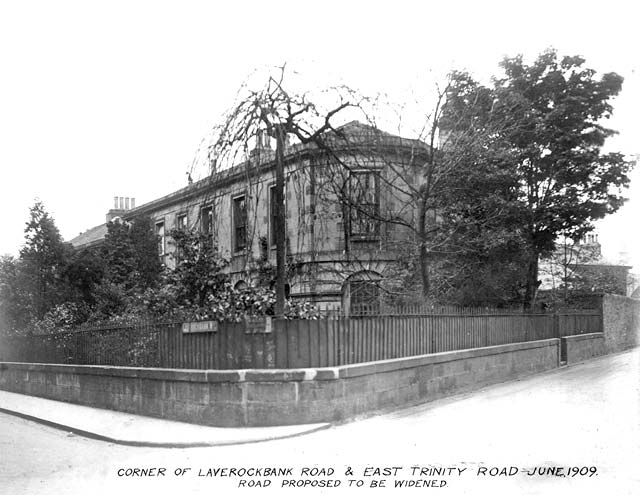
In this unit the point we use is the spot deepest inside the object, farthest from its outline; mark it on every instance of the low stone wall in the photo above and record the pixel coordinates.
(578, 348)
(621, 322)
(279, 397)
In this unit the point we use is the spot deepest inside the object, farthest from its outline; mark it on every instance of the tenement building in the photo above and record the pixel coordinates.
(349, 214)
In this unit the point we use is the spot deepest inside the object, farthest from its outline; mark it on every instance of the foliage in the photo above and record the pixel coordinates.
(199, 271)
(462, 227)
(598, 278)
(83, 274)
(554, 109)
(34, 283)
(43, 259)
(529, 162)
(122, 283)
(61, 318)
(130, 254)
(200, 288)
(13, 305)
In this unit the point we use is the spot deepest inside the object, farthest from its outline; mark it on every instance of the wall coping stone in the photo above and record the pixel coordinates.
(353, 370)
(286, 375)
(585, 336)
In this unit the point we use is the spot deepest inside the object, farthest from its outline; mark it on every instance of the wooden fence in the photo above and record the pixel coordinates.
(294, 343)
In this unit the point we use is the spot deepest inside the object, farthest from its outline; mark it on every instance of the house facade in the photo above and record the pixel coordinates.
(339, 250)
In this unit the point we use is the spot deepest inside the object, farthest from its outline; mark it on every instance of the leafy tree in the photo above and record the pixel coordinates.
(83, 273)
(12, 311)
(131, 256)
(199, 272)
(144, 243)
(117, 252)
(554, 111)
(42, 262)
(539, 131)
(480, 253)
(200, 288)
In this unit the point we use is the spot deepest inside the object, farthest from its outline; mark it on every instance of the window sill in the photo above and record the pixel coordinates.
(364, 238)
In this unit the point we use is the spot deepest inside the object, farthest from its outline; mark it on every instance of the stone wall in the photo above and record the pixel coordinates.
(279, 397)
(621, 322)
(578, 348)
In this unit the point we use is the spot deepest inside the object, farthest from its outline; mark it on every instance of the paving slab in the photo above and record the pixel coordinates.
(131, 429)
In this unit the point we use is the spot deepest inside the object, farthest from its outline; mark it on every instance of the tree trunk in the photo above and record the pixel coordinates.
(423, 252)
(280, 224)
(532, 283)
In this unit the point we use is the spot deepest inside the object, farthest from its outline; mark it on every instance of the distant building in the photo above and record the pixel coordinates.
(581, 268)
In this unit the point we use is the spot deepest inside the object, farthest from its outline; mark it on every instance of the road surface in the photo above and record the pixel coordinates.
(581, 421)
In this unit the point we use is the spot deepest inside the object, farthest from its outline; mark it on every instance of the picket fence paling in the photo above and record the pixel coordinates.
(290, 344)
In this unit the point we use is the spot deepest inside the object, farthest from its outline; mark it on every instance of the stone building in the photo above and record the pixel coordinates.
(338, 249)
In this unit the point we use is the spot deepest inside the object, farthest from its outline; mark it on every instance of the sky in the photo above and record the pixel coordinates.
(104, 99)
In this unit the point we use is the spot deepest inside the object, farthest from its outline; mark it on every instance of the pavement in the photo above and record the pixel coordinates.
(141, 431)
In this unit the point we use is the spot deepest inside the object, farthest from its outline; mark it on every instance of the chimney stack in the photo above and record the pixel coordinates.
(121, 205)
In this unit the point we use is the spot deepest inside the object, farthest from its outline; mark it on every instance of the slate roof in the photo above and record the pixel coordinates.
(90, 237)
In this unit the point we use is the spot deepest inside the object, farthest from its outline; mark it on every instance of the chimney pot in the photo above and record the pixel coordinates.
(121, 203)
(133, 203)
(115, 202)
(126, 203)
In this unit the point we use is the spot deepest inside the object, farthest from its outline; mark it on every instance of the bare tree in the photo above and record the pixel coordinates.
(425, 208)
(274, 112)
(441, 187)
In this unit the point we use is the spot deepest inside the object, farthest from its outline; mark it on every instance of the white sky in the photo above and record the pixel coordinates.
(103, 99)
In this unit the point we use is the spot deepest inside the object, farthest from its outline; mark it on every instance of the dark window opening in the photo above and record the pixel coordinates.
(364, 205)
(181, 222)
(240, 223)
(160, 238)
(181, 225)
(206, 220)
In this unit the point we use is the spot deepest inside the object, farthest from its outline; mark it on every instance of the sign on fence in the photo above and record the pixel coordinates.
(258, 326)
(200, 326)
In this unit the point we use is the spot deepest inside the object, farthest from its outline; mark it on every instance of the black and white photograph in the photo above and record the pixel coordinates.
(319, 247)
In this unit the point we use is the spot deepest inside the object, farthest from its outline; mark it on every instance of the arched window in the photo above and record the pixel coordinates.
(241, 285)
(362, 294)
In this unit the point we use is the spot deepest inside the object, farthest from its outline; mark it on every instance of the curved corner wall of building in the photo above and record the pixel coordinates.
(280, 397)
